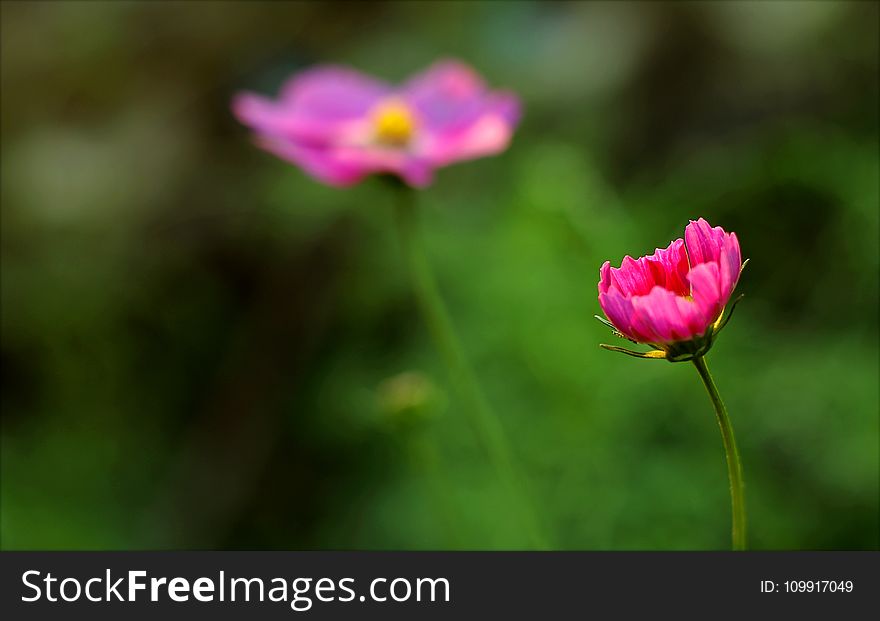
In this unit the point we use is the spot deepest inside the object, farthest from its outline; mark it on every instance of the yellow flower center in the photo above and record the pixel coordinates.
(393, 123)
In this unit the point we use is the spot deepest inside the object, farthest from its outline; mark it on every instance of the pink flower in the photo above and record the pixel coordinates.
(340, 125)
(674, 299)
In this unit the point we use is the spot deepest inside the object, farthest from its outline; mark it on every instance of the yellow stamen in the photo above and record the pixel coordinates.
(393, 123)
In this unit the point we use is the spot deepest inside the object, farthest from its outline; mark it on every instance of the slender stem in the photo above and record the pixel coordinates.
(734, 465)
(486, 424)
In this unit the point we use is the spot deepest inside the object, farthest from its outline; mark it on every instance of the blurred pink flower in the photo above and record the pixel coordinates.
(676, 295)
(340, 125)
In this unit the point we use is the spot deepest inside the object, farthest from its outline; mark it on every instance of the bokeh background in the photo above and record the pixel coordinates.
(204, 348)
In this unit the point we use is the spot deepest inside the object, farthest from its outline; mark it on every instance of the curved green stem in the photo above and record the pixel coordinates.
(487, 425)
(734, 465)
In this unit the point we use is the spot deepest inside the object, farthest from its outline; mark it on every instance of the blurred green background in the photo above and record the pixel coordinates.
(204, 348)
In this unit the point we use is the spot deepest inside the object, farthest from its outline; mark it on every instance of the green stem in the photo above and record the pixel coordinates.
(487, 425)
(734, 465)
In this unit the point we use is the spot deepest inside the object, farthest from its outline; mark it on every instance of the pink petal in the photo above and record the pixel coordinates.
(447, 94)
(333, 93)
(669, 267)
(413, 170)
(619, 311)
(633, 277)
(659, 314)
(487, 134)
(459, 118)
(317, 162)
(343, 166)
(703, 242)
(705, 281)
(731, 264)
(269, 117)
(605, 277)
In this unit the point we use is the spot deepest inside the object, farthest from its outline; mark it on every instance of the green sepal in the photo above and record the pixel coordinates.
(726, 318)
(654, 355)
